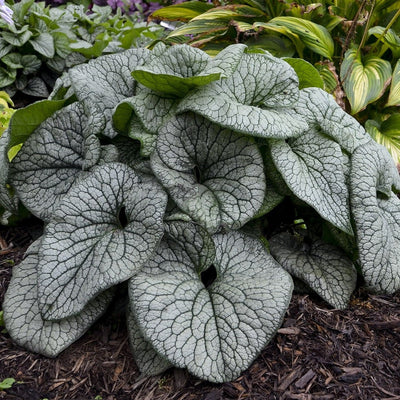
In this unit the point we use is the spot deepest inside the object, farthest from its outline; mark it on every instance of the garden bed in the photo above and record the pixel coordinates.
(318, 353)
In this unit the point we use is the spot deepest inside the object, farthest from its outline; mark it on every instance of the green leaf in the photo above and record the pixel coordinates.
(7, 383)
(13, 60)
(54, 156)
(394, 94)
(22, 315)
(89, 50)
(17, 39)
(7, 77)
(44, 44)
(181, 12)
(5, 47)
(111, 223)
(311, 166)
(315, 37)
(36, 87)
(364, 79)
(307, 73)
(213, 174)
(387, 133)
(181, 68)
(216, 329)
(390, 38)
(30, 63)
(323, 267)
(260, 108)
(103, 83)
(376, 212)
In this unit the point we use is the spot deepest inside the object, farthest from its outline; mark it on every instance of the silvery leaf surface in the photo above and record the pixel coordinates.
(146, 358)
(7, 201)
(181, 68)
(214, 331)
(101, 233)
(311, 166)
(257, 99)
(323, 267)
(54, 156)
(213, 174)
(104, 82)
(320, 109)
(22, 316)
(376, 212)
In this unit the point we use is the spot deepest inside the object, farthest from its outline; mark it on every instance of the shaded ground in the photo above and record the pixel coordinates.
(318, 354)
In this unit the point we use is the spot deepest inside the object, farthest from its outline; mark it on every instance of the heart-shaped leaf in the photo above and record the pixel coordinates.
(22, 315)
(215, 330)
(324, 268)
(364, 79)
(255, 101)
(375, 210)
(311, 166)
(101, 233)
(51, 160)
(213, 174)
(181, 68)
(110, 74)
(44, 44)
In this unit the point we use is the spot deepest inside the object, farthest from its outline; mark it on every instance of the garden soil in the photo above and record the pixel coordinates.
(318, 354)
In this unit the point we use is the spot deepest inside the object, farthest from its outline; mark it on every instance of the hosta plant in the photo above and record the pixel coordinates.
(197, 187)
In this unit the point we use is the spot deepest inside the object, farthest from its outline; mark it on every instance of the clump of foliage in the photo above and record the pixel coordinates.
(5, 110)
(45, 41)
(200, 183)
(354, 45)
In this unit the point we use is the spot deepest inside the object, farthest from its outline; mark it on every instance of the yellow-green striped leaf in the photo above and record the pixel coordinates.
(315, 37)
(394, 94)
(364, 79)
(181, 12)
(213, 28)
(231, 12)
(389, 37)
(387, 133)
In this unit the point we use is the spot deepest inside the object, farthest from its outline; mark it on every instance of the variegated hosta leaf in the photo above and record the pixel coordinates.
(323, 267)
(311, 166)
(104, 82)
(364, 80)
(22, 316)
(7, 201)
(376, 212)
(181, 68)
(52, 159)
(321, 110)
(394, 94)
(213, 174)
(101, 233)
(146, 358)
(216, 330)
(256, 99)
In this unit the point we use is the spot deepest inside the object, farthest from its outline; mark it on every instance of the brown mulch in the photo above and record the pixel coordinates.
(318, 354)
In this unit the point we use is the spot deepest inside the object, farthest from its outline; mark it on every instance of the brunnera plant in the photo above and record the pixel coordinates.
(186, 176)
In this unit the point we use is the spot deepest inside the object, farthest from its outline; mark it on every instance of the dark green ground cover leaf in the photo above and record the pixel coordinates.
(214, 331)
(101, 233)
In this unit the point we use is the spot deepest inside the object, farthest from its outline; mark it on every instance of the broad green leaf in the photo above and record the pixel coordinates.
(390, 38)
(323, 267)
(5, 47)
(394, 94)
(54, 156)
(22, 316)
(311, 166)
(376, 213)
(30, 63)
(44, 44)
(36, 87)
(232, 13)
(89, 50)
(277, 46)
(200, 29)
(308, 75)
(255, 101)
(146, 358)
(181, 68)
(327, 76)
(364, 79)
(214, 329)
(13, 60)
(7, 77)
(213, 174)
(181, 12)
(102, 232)
(315, 36)
(17, 39)
(7, 383)
(109, 75)
(387, 133)
(321, 111)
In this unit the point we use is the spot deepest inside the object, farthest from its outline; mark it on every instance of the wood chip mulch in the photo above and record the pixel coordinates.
(318, 354)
